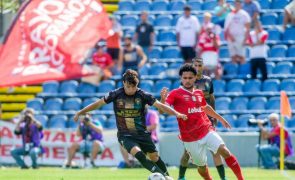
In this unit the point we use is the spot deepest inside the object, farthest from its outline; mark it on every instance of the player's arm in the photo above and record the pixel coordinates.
(212, 101)
(97, 104)
(265, 134)
(167, 109)
(78, 131)
(164, 94)
(210, 111)
(97, 128)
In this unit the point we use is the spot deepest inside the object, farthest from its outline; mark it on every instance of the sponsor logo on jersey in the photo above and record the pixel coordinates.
(194, 110)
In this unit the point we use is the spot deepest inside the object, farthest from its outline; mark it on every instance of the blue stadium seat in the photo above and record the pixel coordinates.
(271, 85)
(291, 51)
(269, 67)
(176, 84)
(281, 18)
(264, 4)
(68, 87)
(144, 70)
(161, 5)
(106, 86)
(219, 86)
(176, 65)
(222, 103)
(291, 123)
(269, 19)
(35, 104)
(274, 35)
(58, 121)
(257, 103)
(71, 123)
(88, 101)
(209, 5)
(50, 87)
(126, 5)
(273, 103)
(231, 119)
(72, 104)
(196, 5)
(101, 118)
(176, 5)
(239, 104)
(43, 119)
(170, 124)
(175, 19)
(244, 69)
(86, 88)
(279, 4)
(242, 121)
(53, 104)
(262, 116)
(163, 21)
(252, 86)
(292, 102)
(146, 85)
(278, 51)
(111, 122)
(143, 5)
(158, 69)
(160, 84)
(167, 36)
(223, 52)
(288, 85)
(107, 107)
(289, 34)
(155, 53)
(230, 69)
(171, 52)
(129, 20)
(283, 68)
(235, 85)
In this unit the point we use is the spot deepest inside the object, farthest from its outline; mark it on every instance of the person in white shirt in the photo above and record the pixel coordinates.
(187, 29)
(289, 16)
(258, 51)
(237, 26)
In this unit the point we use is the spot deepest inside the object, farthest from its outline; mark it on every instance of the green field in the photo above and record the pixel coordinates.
(129, 174)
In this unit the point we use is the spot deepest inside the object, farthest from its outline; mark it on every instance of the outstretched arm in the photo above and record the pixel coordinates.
(167, 109)
(210, 111)
(97, 104)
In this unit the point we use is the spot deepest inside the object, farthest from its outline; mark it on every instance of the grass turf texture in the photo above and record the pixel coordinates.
(129, 174)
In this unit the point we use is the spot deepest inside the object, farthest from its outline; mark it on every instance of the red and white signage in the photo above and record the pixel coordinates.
(50, 39)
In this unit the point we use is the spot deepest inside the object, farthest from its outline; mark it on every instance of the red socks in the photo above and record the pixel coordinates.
(205, 174)
(235, 167)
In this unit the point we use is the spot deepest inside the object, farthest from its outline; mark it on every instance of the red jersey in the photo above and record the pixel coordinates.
(191, 104)
(102, 60)
(206, 42)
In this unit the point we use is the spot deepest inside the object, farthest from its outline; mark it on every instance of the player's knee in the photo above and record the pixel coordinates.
(95, 144)
(223, 151)
(134, 150)
(154, 157)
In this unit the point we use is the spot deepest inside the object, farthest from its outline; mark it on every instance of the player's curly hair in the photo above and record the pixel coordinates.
(187, 68)
(131, 77)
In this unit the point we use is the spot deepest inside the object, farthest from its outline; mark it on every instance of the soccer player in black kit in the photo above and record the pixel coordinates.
(130, 104)
(205, 84)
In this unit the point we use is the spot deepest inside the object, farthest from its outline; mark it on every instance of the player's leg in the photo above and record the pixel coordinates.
(34, 153)
(132, 147)
(96, 147)
(71, 153)
(183, 165)
(125, 155)
(219, 165)
(197, 151)
(16, 154)
(216, 145)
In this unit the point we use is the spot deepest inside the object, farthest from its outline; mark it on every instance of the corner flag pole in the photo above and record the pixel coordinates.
(285, 110)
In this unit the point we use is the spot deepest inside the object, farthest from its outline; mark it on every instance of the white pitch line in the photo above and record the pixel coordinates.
(286, 175)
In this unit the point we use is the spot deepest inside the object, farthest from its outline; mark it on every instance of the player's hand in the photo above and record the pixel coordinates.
(225, 124)
(181, 116)
(76, 117)
(164, 94)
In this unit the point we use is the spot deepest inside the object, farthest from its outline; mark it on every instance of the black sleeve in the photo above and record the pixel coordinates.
(211, 88)
(110, 97)
(149, 99)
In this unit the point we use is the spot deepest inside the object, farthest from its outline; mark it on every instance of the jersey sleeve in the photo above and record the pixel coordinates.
(110, 97)
(203, 100)
(170, 98)
(211, 88)
(149, 99)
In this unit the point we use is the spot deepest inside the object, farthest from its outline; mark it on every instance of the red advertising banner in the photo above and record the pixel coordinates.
(49, 39)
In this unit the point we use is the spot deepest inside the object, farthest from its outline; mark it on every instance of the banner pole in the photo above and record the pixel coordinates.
(282, 143)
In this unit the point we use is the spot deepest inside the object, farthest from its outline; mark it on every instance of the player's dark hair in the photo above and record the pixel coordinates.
(187, 68)
(131, 77)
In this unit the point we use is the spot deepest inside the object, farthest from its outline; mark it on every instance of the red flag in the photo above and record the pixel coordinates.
(285, 105)
(49, 39)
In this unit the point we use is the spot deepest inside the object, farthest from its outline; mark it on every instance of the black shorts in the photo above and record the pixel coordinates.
(188, 53)
(145, 143)
(114, 52)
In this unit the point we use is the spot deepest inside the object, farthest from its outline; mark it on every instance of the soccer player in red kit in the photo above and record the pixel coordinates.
(197, 132)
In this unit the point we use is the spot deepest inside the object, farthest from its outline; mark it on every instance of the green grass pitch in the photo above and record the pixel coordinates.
(130, 174)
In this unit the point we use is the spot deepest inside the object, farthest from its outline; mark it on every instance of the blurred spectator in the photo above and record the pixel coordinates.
(237, 26)
(187, 29)
(289, 16)
(113, 42)
(145, 34)
(101, 63)
(208, 46)
(131, 56)
(221, 11)
(252, 8)
(258, 50)
(31, 132)
(152, 121)
(272, 150)
(207, 22)
(92, 144)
